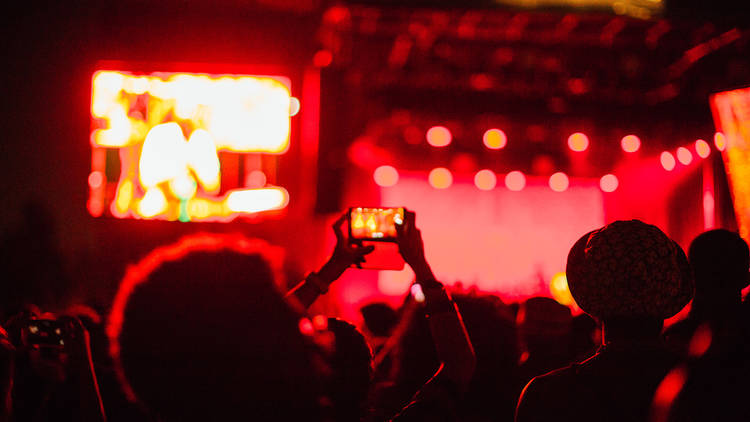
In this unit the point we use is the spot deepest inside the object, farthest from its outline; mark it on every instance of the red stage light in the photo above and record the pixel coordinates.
(684, 155)
(96, 178)
(609, 183)
(720, 141)
(385, 176)
(485, 180)
(495, 139)
(439, 136)
(559, 182)
(440, 178)
(578, 142)
(702, 148)
(667, 160)
(322, 58)
(515, 181)
(630, 143)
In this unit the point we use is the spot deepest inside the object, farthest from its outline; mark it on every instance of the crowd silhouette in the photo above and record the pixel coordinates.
(204, 330)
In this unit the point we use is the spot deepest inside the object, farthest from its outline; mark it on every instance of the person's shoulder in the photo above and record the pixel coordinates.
(542, 395)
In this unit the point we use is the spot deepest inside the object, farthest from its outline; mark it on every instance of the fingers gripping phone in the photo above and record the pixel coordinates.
(377, 227)
(44, 333)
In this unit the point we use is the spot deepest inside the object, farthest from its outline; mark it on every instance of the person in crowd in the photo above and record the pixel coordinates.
(630, 276)
(714, 339)
(379, 321)
(200, 332)
(440, 396)
(544, 327)
(719, 260)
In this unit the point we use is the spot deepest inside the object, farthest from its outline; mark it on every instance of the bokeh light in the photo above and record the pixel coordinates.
(559, 182)
(440, 178)
(558, 286)
(609, 183)
(720, 141)
(495, 139)
(385, 176)
(515, 181)
(439, 136)
(667, 160)
(294, 106)
(96, 179)
(630, 143)
(684, 155)
(578, 142)
(485, 179)
(702, 148)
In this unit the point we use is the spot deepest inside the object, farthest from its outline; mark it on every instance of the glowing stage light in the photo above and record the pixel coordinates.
(485, 179)
(559, 182)
(515, 181)
(702, 148)
(558, 286)
(667, 160)
(440, 178)
(322, 58)
(294, 106)
(609, 183)
(96, 179)
(385, 176)
(630, 143)
(439, 136)
(720, 141)
(257, 200)
(578, 142)
(684, 155)
(494, 139)
(153, 203)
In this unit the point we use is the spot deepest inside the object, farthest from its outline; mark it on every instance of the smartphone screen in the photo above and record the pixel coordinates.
(374, 223)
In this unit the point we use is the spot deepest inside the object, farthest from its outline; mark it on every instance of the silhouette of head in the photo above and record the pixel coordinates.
(379, 318)
(351, 370)
(543, 322)
(629, 270)
(719, 259)
(200, 332)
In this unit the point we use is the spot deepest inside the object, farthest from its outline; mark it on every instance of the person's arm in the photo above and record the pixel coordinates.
(343, 256)
(452, 343)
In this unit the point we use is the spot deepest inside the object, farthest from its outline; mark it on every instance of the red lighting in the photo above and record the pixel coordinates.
(440, 178)
(702, 148)
(720, 141)
(578, 142)
(385, 176)
(495, 139)
(485, 180)
(515, 181)
(96, 178)
(684, 155)
(609, 183)
(322, 58)
(630, 143)
(439, 136)
(559, 182)
(667, 160)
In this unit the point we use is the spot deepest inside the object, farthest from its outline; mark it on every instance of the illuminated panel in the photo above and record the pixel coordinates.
(181, 142)
(731, 111)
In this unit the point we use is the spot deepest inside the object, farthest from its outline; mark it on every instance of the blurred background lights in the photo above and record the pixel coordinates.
(702, 148)
(385, 176)
(96, 179)
(485, 179)
(559, 182)
(720, 141)
(667, 160)
(630, 143)
(440, 178)
(558, 287)
(684, 155)
(294, 106)
(439, 136)
(495, 139)
(609, 183)
(578, 142)
(515, 181)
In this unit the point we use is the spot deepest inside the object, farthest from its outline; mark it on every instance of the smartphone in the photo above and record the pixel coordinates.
(376, 224)
(44, 333)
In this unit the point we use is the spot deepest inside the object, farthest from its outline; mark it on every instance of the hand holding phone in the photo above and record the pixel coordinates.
(377, 228)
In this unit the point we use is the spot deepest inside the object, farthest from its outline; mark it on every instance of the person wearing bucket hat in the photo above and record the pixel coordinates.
(630, 276)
